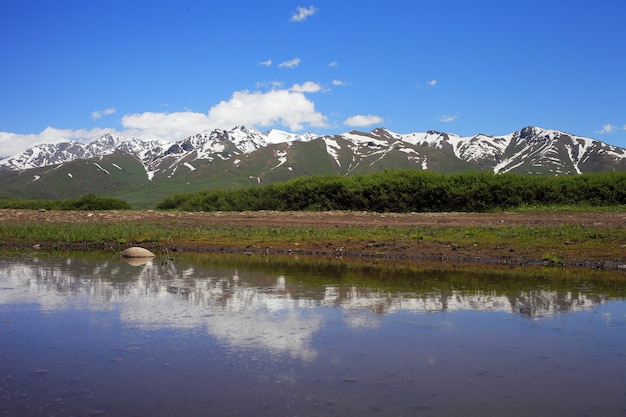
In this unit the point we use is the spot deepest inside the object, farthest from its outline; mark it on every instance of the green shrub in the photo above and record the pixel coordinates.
(411, 190)
(94, 202)
(86, 202)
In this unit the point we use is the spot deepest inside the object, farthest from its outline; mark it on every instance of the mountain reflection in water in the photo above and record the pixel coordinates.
(298, 317)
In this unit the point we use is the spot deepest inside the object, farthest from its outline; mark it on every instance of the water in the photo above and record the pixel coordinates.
(92, 335)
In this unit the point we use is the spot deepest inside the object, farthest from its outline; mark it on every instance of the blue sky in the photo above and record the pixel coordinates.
(168, 69)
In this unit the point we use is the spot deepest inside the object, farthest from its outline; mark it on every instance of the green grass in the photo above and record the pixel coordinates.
(88, 233)
(553, 243)
(566, 208)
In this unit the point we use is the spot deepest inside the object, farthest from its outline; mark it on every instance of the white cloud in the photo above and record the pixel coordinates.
(169, 126)
(265, 63)
(363, 120)
(448, 119)
(607, 128)
(290, 64)
(432, 82)
(339, 83)
(334, 64)
(15, 143)
(99, 113)
(302, 13)
(307, 87)
(148, 125)
(270, 85)
(287, 108)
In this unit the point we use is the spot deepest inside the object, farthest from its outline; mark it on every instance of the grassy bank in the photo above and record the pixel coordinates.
(557, 245)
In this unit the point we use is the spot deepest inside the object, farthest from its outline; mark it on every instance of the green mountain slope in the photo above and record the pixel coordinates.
(103, 176)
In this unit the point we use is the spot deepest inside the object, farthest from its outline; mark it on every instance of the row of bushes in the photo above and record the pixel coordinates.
(387, 191)
(409, 190)
(86, 202)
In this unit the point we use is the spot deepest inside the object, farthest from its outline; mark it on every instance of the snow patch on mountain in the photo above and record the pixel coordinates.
(512, 162)
(332, 149)
(364, 139)
(275, 136)
(102, 169)
(480, 147)
(282, 158)
(431, 138)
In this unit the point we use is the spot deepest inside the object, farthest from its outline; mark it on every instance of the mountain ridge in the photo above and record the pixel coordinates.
(245, 157)
(219, 143)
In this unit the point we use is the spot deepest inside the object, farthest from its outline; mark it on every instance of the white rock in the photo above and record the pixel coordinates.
(137, 252)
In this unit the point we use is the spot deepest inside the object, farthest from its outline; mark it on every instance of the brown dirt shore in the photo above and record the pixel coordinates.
(613, 256)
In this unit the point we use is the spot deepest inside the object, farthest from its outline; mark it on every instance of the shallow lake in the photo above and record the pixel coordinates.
(89, 334)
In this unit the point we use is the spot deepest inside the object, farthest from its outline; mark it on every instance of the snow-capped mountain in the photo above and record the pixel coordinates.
(216, 144)
(62, 152)
(531, 150)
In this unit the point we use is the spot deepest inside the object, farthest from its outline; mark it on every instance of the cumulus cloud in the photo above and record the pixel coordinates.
(261, 109)
(607, 128)
(169, 126)
(15, 143)
(448, 118)
(361, 120)
(99, 113)
(290, 64)
(339, 83)
(286, 107)
(307, 87)
(302, 13)
(148, 125)
(265, 63)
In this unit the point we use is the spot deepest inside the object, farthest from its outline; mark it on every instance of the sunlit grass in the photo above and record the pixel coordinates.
(567, 208)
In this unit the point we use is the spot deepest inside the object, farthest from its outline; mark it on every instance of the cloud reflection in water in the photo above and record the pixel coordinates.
(243, 310)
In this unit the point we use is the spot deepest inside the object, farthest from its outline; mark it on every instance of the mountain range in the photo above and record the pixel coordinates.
(144, 171)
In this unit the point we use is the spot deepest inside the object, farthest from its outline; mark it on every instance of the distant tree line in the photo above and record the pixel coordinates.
(411, 191)
(85, 202)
